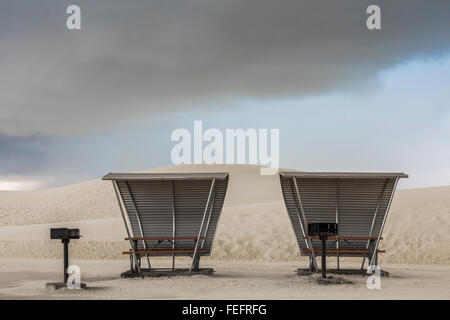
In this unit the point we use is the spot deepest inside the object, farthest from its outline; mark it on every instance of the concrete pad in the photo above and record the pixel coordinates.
(307, 272)
(164, 272)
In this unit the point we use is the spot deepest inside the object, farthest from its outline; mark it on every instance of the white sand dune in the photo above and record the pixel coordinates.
(418, 227)
(95, 199)
(254, 223)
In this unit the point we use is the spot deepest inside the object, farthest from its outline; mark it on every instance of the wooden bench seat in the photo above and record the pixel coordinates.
(343, 251)
(164, 251)
(163, 238)
(343, 238)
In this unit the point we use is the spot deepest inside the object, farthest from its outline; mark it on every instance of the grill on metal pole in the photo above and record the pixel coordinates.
(65, 234)
(323, 231)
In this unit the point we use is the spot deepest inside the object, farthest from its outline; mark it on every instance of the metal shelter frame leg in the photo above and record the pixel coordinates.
(209, 220)
(307, 239)
(196, 257)
(375, 255)
(337, 220)
(138, 256)
(173, 223)
(116, 188)
(311, 264)
(374, 219)
(139, 222)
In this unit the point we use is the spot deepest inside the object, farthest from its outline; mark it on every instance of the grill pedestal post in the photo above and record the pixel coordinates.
(324, 256)
(66, 258)
(64, 234)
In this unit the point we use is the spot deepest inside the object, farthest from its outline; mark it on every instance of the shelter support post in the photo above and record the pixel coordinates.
(138, 218)
(174, 224)
(196, 262)
(137, 258)
(209, 220)
(374, 258)
(374, 219)
(304, 224)
(337, 221)
(312, 266)
(116, 188)
(196, 256)
(373, 253)
(131, 263)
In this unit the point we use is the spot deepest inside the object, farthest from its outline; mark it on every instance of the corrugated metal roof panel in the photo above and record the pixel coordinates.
(350, 200)
(149, 204)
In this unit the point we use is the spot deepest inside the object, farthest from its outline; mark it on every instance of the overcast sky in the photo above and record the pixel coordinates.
(75, 105)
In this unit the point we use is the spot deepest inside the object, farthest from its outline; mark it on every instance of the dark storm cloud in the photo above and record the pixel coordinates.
(23, 155)
(139, 58)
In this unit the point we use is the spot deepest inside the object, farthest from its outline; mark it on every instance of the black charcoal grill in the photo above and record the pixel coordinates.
(65, 234)
(323, 231)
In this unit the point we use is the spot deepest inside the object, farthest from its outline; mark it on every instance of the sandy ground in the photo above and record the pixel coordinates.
(254, 226)
(25, 279)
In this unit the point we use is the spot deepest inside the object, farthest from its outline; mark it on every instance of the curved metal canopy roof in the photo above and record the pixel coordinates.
(166, 176)
(358, 202)
(171, 205)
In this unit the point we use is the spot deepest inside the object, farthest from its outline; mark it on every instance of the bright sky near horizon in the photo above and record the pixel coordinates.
(385, 112)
